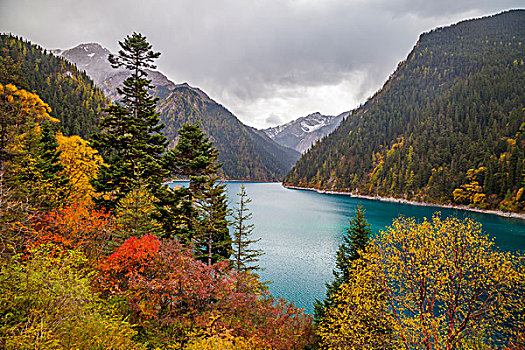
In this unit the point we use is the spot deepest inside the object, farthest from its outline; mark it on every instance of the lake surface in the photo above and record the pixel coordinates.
(300, 232)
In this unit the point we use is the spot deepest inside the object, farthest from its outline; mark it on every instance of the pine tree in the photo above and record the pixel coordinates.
(242, 253)
(131, 139)
(50, 186)
(195, 158)
(212, 241)
(356, 238)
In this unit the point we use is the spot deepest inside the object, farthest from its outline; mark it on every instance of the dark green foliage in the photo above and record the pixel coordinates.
(243, 254)
(11, 69)
(49, 156)
(356, 238)
(71, 94)
(455, 104)
(196, 214)
(212, 241)
(245, 154)
(49, 167)
(131, 139)
(194, 158)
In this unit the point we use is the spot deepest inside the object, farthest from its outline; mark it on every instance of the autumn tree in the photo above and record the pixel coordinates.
(243, 253)
(21, 112)
(131, 139)
(81, 163)
(178, 301)
(46, 302)
(79, 226)
(354, 241)
(433, 285)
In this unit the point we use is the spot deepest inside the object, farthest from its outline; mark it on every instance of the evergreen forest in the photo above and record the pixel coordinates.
(245, 154)
(447, 126)
(71, 94)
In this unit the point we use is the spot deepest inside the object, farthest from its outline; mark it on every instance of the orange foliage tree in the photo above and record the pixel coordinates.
(178, 299)
(78, 226)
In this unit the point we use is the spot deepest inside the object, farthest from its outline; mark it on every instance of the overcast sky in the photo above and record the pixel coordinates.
(267, 61)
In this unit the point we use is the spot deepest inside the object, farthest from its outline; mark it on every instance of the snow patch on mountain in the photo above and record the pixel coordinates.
(302, 133)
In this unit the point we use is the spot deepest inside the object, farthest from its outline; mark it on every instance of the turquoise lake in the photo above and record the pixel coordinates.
(300, 232)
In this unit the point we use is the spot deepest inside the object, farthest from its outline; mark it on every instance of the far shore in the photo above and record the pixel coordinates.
(421, 204)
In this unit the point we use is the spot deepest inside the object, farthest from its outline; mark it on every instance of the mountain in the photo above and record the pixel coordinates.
(447, 126)
(71, 94)
(245, 154)
(302, 133)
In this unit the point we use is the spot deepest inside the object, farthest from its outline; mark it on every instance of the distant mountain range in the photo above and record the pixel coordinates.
(448, 126)
(302, 133)
(244, 152)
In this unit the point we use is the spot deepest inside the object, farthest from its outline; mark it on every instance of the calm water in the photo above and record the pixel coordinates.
(301, 231)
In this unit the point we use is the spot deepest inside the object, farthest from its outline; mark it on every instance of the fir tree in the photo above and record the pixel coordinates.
(195, 158)
(242, 253)
(131, 138)
(356, 238)
(52, 184)
(196, 214)
(212, 241)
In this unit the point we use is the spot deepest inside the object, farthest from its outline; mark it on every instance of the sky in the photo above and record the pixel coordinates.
(267, 61)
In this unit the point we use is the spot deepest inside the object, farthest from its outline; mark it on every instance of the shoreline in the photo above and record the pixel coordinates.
(416, 203)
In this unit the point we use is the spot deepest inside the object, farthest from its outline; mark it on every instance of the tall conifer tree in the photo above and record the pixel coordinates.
(195, 158)
(243, 253)
(212, 241)
(131, 138)
(197, 213)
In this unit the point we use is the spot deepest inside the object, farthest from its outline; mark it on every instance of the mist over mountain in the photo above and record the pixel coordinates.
(302, 133)
(245, 154)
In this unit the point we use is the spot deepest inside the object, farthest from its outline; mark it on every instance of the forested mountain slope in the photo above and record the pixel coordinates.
(71, 94)
(446, 127)
(245, 153)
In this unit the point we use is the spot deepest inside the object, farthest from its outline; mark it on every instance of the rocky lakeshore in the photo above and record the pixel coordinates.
(409, 202)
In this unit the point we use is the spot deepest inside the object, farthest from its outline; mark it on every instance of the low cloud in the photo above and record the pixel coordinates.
(258, 58)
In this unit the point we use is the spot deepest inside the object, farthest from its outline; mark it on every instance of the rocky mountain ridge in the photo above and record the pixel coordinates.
(245, 154)
(301, 134)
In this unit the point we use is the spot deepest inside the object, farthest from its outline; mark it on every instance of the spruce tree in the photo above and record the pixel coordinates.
(50, 185)
(243, 254)
(131, 139)
(355, 240)
(212, 241)
(194, 158)
(196, 214)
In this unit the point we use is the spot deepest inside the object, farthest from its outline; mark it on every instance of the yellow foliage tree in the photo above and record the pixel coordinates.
(21, 112)
(435, 285)
(472, 192)
(81, 164)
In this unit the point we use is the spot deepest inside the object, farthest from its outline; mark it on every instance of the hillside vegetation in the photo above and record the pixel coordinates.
(245, 154)
(71, 94)
(446, 127)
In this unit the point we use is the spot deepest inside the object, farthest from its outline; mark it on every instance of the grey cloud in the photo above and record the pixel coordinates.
(273, 119)
(245, 52)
